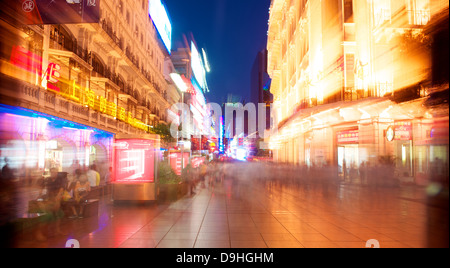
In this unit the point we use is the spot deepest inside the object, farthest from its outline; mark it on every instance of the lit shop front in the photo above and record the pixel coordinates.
(400, 134)
(431, 150)
(38, 142)
(348, 151)
(134, 167)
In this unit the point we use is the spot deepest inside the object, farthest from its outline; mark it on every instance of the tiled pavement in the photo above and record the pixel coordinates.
(247, 214)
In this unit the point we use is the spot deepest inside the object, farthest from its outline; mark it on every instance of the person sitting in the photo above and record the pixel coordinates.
(81, 191)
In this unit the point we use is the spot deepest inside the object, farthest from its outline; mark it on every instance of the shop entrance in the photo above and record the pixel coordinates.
(53, 156)
(98, 155)
(348, 160)
(59, 154)
(405, 159)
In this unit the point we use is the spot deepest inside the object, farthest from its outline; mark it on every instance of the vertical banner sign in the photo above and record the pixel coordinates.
(60, 11)
(175, 161)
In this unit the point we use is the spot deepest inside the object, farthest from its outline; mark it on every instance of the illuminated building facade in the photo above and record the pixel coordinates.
(84, 81)
(190, 64)
(345, 74)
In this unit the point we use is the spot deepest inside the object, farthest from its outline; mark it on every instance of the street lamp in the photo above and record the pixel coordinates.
(179, 82)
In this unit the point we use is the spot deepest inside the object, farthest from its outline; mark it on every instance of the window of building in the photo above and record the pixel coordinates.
(418, 12)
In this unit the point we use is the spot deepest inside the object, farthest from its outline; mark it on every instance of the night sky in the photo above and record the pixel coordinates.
(231, 32)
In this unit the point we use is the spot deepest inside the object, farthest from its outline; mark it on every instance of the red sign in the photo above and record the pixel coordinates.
(348, 137)
(195, 143)
(191, 89)
(197, 161)
(134, 161)
(32, 63)
(205, 143)
(403, 131)
(175, 161)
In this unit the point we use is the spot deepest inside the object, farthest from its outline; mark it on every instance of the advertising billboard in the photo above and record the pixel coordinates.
(176, 162)
(161, 20)
(59, 11)
(134, 161)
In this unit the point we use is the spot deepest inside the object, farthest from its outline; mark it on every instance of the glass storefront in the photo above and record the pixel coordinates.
(33, 143)
(348, 154)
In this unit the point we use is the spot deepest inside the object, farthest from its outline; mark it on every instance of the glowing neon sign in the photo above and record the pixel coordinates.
(134, 161)
(198, 68)
(26, 60)
(32, 63)
(160, 18)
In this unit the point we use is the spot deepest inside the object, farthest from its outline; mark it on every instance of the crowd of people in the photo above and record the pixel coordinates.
(207, 174)
(366, 174)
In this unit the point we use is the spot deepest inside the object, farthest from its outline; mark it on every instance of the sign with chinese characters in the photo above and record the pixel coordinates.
(30, 62)
(134, 161)
(348, 137)
(403, 131)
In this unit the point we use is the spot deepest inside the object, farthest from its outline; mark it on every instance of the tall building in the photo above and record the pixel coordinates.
(189, 65)
(260, 94)
(346, 74)
(70, 82)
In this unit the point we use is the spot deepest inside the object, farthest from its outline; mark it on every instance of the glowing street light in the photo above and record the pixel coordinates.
(181, 85)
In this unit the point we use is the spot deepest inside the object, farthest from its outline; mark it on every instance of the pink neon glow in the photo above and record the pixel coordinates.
(26, 60)
(197, 161)
(32, 63)
(134, 161)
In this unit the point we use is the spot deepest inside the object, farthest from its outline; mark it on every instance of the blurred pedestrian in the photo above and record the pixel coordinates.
(188, 176)
(93, 176)
(7, 171)
(203, 174)
(108, 176)
(8, 204)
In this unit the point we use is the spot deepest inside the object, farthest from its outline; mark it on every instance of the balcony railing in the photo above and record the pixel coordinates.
(419, 17)
(77, 50)
(107, 27)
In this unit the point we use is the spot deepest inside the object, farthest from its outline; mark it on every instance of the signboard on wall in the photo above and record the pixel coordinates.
(403, 131)
(400, 131)
(348, 137)
(59, 11)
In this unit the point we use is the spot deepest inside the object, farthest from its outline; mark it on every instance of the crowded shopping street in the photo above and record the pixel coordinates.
(257, 206)
(226, 124)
